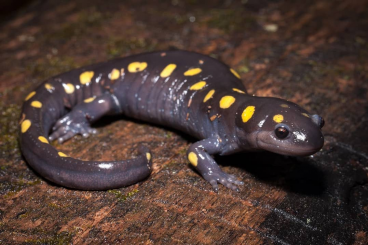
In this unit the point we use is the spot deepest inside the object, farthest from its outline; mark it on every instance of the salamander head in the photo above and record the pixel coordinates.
(282, 127)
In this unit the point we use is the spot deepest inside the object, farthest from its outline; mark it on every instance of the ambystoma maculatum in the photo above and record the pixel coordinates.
(188, 91)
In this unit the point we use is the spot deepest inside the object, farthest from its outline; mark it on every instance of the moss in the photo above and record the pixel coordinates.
(183, 151)
(16, 186)
(168, 16)
(170, 164)
(122, 197)
(53, 205)
(9, 129)
(243, 66)
(119, 46)
(25, 215)
(85, 21)
(45, 68)
(360, 40)
(230, 20)
(192, 2)
(322, 70)
(58, 239)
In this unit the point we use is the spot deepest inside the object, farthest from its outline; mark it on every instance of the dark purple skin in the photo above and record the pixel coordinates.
(169, 101)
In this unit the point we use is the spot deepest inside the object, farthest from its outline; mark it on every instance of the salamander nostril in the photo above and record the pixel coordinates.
(318, 120)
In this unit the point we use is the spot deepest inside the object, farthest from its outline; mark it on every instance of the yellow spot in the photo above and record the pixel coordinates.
(238, 90)
(226, 101)
(278, 118)
(148, 156)
(36, 104)
(86, 77)
(198, 85)
(25, 125)
(137, 66)
(305, 114)
(69, 88)
(193, 159)
(168, 70)
(284, 105)
(248, 113)
(62, 154)
(235, 73)
(43, 139)
(115, 74)
(209, 95)
(49, 87)
(30, 95)
(89, 99)
(192, 72)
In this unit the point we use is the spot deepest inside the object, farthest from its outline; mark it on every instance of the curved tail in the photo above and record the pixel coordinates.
(41, 110)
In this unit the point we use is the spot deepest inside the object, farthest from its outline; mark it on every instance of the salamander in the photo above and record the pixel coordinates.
(187, 91)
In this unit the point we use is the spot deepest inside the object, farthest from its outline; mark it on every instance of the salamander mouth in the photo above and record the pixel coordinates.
(287, 150)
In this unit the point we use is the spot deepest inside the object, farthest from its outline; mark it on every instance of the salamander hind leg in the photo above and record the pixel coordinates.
(79, 119)
(73, 123)
(199, 155)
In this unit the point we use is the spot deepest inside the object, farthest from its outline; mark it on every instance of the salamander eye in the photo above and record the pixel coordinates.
(282, 131)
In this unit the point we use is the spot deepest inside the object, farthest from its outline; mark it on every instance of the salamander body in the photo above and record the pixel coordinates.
(187, 91)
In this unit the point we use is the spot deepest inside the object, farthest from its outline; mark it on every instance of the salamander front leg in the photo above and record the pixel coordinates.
(199, 155)
(79, 119)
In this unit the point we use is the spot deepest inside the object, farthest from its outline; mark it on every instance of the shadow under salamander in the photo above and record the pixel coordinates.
(294, 174)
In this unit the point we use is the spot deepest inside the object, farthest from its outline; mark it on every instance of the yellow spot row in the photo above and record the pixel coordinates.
(26, 124)
(86, 77)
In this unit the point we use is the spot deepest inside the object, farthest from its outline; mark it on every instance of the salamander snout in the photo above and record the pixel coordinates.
(318, 120)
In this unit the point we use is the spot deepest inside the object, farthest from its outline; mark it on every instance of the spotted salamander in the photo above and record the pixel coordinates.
(187, 91)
